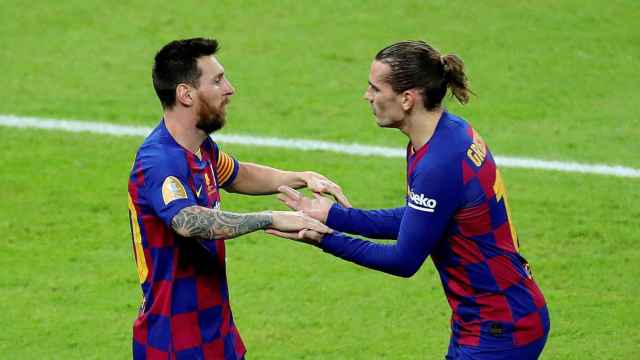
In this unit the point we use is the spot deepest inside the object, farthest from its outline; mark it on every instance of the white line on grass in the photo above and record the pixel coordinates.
(307, 145)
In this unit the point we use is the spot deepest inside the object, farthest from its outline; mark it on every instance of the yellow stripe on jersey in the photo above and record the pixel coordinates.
(501, 194)
(225, 167)
(141, 264)
(223, 172)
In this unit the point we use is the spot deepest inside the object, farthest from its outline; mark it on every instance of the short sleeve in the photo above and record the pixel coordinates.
(227, 169)
(166, 186)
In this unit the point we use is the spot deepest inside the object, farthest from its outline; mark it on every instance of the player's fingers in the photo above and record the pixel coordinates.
(292, 236)
(342, 199)
(293, 194)
(292, 204)
(313, 224)
(325, 187)
(337, 193)
(310, 237)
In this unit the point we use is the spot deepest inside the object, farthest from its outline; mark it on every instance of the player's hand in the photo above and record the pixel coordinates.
(318, 207)
(306, 236)
(320, 184)
(295, 221)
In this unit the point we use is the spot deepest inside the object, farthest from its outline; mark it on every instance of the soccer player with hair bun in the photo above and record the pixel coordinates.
(455, 210)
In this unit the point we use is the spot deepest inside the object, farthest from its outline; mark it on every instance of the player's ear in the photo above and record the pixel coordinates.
(183, 95)
(408, 99)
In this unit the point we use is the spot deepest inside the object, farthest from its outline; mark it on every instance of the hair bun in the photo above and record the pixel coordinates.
(445, 63)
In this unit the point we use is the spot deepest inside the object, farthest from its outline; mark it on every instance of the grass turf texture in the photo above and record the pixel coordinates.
(559, 70)
(554, 80)
(70, 286)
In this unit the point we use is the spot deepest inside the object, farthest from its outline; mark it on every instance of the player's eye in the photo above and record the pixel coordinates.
(219, 79)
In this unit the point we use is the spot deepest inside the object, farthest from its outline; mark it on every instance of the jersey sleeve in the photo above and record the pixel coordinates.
(432, 201)
(166, 185)
(227, 169)
(376, 224)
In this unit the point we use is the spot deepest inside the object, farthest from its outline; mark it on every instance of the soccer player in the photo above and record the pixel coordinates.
(456, 211)
(177, 224)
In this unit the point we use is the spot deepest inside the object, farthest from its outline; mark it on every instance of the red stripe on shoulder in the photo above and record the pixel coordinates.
(415, 159)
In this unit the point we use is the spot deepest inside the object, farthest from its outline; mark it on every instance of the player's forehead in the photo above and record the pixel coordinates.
(379, 73)
(210, 66)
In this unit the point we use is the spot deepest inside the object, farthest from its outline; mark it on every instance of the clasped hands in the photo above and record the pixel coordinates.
(316, 208)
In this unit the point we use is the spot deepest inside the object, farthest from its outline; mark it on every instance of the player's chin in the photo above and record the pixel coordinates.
(222, 121)
(383, 123)
(221, 116)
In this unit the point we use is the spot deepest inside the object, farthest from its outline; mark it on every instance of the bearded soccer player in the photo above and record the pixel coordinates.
(456, 211)
(177, 224)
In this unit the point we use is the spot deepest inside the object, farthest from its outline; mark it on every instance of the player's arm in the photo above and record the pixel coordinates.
(174, 202)
(422, 227)
(402, 258)
(254, 179)
(376, 224)
(435, 198)
(201, 222)
(204, 223)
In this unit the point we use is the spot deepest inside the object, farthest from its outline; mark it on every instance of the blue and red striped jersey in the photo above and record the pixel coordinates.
(185, 312)
(456, 210)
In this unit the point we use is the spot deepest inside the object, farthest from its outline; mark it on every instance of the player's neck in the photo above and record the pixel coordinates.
(420, 126)
(182, 128)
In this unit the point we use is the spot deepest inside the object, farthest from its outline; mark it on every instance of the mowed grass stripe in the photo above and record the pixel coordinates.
(309, 145)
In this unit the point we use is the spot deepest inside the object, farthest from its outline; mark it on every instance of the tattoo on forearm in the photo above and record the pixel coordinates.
(201, 222)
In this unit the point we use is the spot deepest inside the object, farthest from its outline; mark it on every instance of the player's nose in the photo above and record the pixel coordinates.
(230, 89)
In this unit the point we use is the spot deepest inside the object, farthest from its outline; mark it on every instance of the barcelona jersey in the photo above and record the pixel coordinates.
(456, 210)
(185, 312)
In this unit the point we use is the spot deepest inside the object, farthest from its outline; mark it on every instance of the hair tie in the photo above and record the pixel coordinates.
(443, 61)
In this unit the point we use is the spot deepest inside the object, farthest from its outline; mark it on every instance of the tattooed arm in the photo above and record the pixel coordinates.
(205, 223)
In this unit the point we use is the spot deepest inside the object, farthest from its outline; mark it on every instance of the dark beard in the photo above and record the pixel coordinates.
(210, 124)
(210, 120)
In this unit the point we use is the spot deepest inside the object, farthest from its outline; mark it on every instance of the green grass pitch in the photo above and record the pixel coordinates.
(554, 80)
